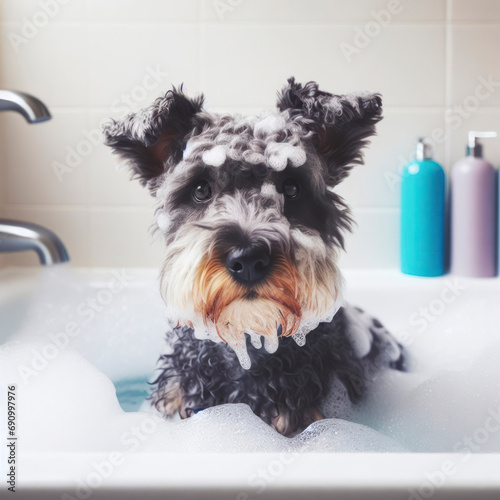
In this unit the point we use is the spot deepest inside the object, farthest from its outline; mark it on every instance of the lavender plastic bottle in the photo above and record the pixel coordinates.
(473, 207)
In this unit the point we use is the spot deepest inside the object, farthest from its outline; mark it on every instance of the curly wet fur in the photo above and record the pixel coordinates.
(284, 389)
(337, 126)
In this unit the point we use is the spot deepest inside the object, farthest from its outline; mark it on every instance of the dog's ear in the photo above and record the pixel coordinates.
(340, 125)
(152, 141)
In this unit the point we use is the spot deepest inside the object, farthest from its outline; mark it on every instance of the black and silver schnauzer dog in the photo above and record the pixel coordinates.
(252, 228)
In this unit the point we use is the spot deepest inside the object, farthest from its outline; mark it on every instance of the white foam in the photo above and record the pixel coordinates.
(269, 189)
(255, 339)
(309, 242)
(164, 221)
(239, 347)
(89, 419)
(450, 402)
(215, 156)
(269, 125)
(337, 404)
(452, 397)
(348, 437)
(278, 155)
(308, 324)
(300, 339)
(103, 322)
(271, 343)
(359, 331)
(206, 330)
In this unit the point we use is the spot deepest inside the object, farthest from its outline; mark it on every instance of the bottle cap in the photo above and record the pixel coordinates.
(474, 147)
(423, 150)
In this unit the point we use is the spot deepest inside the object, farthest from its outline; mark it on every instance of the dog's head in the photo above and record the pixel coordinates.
(246, 205)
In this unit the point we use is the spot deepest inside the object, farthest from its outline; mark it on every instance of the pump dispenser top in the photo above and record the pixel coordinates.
(473, 201)
(423, 151)
(474, 147)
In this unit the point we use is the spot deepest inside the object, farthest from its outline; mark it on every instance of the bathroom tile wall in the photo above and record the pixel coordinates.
(92, 59)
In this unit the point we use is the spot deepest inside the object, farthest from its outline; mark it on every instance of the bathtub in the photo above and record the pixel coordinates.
(406, 305)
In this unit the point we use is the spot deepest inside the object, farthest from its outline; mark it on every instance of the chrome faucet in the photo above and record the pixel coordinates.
(30, 107)
(16, 236)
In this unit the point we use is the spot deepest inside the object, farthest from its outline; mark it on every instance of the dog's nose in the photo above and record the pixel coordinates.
(249, 264)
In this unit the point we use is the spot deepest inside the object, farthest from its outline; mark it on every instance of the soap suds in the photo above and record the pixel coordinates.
(269, 125)
(449, 402)
(215, 157)
(91, 420)
(278, 154)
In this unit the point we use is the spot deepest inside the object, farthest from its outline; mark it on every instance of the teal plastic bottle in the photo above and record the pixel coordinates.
(423, 192)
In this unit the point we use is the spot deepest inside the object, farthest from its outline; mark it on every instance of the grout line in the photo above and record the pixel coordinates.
(123, 24)
(80, 207)
(201, 72)
(250, 23)
(448, 81)
(476, 24)
(145, 209)
(200, 34)
(350, 22)
(89, 177)
(238, 108)
(371, 209)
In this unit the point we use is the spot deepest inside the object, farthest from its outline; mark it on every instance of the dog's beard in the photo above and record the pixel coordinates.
(263, 310)
(292, 300)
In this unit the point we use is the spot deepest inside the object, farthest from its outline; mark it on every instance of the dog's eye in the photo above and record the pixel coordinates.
(291, 188)
(202, 191)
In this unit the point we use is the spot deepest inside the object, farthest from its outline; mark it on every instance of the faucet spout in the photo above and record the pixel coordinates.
(33, 110)
(18, 236)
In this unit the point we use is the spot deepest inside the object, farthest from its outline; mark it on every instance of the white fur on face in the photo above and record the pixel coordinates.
(304, 290)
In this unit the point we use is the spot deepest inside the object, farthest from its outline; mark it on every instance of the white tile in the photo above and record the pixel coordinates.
(377, 183)
(47, 162)
(477, 10)
(52, 64)
(146, 10)
(129, 66)
(121, 238)
(374, 242)
(71, 225)
(245, 65)
(333, 11)
(40, 12)
(487, 119)
(475, 59)
(110, 182)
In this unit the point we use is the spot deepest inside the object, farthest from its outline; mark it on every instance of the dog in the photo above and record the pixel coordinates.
(253, 227)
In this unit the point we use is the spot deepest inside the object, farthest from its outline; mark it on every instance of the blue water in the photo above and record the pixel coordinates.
(131, 393)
